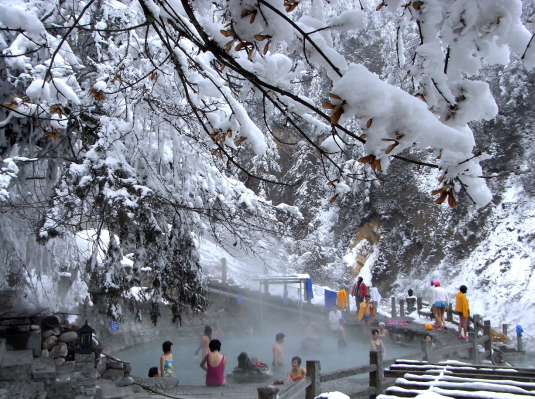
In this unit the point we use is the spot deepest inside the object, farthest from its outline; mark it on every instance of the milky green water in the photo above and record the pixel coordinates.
(258, 344)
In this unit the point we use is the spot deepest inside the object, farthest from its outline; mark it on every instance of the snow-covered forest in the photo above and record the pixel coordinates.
(386, 138)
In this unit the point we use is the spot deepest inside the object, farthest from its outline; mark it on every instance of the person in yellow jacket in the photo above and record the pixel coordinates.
(463, 309)
(366, 314)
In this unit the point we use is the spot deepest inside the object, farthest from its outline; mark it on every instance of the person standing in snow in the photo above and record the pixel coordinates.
(440, 303)
(375, 297)
(359, 291)
(334, 318)
(429, 295)
(366, 314)
(463, 309)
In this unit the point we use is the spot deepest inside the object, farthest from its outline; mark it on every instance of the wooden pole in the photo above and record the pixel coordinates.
(418, 303)
(402, 307)
(376, 377)
(394, 313)
(268, 392)
(504, 329)
(519, 344)
(223, 270)
(313, 371)
(472, 352)
(477, 320)
(486, 331)
(449, 316)
(426, 348)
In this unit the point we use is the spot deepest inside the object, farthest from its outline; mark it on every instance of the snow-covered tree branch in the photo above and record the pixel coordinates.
(145, 117)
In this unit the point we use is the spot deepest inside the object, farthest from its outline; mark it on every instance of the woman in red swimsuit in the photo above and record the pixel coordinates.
(214, 364)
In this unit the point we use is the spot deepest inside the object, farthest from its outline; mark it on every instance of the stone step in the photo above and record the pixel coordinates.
(17, 365)
(108, 390)
(22, 390)
(43, 368)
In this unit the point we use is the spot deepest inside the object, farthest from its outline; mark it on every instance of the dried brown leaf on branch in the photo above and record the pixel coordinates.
(369, 123)
(333, 199)
(16, 101)
(336, 97)
(376, 165)
(367, 159)
(379, 6)
(57, 109)
(391, 147)
(239, 141)
(252, 13)
(227, 33)
(290, 5)
(445, 192)
(331, 183)
(97, 94)
(228, 45)
(451, 200)
(327, 105)
(261, 38)
(52, 134)
(417, 5)
(442, 198)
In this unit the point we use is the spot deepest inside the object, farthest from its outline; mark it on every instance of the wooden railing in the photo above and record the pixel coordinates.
(376, 369)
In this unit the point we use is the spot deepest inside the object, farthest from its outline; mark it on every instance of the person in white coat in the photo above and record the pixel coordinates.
(334, 318)
(440, 303)
(375, 298)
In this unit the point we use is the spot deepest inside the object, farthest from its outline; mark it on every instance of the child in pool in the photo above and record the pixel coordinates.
(297, 372)
(166, 361)
(214, 364)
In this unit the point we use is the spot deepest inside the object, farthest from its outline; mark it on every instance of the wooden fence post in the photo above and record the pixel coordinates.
(313, 371)
(477, 319)
(449, 316)
(504, 329)
(418, 303)
(426, 348)
(376, 377)
(402, 307)
(473, 352)
(267, 392)
(486, 331)
(394, 313)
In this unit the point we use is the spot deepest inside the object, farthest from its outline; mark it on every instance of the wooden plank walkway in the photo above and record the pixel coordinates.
(459, 380)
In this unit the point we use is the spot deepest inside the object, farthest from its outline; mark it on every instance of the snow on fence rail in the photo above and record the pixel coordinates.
(376, 369)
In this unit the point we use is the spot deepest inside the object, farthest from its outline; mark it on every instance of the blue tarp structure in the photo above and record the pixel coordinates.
(330, 299)
(309, 294)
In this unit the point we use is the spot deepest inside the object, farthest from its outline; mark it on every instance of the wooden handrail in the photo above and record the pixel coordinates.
(295, 389)
(338, 374)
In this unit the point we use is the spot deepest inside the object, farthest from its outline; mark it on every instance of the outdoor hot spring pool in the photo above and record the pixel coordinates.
(259, 345)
